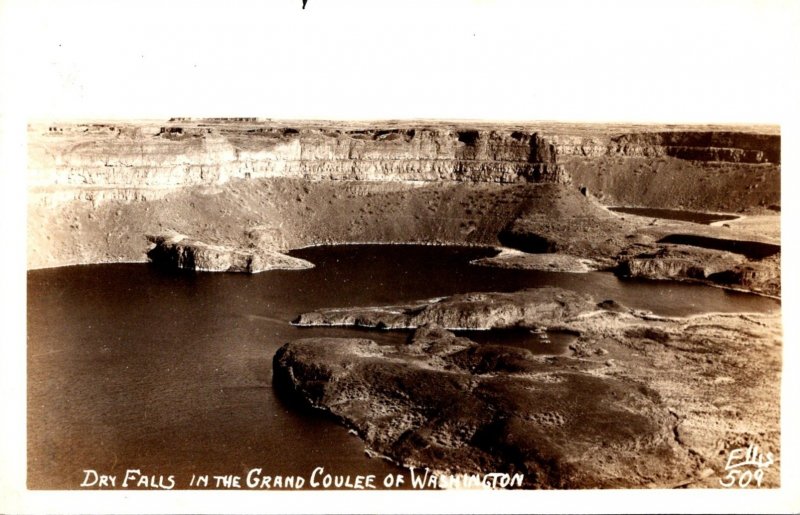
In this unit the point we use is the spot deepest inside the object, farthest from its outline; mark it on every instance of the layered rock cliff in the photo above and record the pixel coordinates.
(96, 190)
(697, 145)
(633, 165)
(174, 156)
(704, 170)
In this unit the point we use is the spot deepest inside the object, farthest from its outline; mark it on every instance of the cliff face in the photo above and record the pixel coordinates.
(183, 156)
(96, 190)
(706, 169)
(707, 146)
(716, 170)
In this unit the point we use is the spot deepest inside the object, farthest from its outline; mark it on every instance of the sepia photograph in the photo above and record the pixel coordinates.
(451, 255)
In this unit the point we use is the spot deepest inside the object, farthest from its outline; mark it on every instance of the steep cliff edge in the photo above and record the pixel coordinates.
(147, 156)
(707, 168)
(704, 170)
(97, 189)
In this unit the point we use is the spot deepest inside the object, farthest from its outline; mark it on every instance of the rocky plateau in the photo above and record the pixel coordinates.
(638, 401)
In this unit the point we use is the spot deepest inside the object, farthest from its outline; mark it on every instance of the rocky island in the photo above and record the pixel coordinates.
(637, 399)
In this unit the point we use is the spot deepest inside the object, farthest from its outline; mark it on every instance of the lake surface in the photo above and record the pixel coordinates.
(697, 217)
(546, 343)
(130, 366)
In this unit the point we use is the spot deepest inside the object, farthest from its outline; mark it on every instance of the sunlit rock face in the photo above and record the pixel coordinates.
(172, 156)
(173, 250)
(183, 153)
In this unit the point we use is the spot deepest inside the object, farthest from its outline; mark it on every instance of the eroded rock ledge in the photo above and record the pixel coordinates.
(547, 262)
(174, 250)
(697, 264)
(531, 307)
(640, 401)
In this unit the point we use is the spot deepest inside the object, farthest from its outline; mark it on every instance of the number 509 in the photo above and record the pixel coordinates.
(744, 478)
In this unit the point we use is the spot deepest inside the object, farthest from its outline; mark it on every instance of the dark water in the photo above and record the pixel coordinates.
(697, 217)
(751, 249)
(171, 373)
(548, 343)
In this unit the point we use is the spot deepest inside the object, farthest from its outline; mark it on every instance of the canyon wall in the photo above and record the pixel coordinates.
(685, 167)
(703, 170)
(173, 156)
(697, 145)
(97, 190)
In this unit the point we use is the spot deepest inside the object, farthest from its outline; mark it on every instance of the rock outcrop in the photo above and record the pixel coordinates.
(547, 262)
(446, 403)
(640, 401)
(711, 266)
(175, 250)
(531, 307)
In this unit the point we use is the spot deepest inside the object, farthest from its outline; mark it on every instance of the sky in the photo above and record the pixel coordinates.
(707, 61)
(699, 61)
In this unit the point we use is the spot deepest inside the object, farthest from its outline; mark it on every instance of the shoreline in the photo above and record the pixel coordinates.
(498, 248)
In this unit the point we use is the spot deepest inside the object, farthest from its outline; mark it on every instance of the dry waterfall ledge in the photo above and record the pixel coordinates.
(639, 401)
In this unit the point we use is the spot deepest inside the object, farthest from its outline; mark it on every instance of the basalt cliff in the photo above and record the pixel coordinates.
(109, 192)
(624, 165)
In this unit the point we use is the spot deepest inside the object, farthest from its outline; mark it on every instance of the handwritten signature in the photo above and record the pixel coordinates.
(745, 465)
